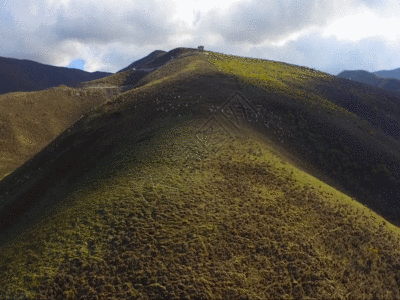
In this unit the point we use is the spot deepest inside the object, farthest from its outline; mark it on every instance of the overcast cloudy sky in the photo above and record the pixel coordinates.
(103, 35)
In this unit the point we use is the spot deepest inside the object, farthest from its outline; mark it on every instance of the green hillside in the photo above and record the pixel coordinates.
(307, 114)
(29, 121)
(155, 195)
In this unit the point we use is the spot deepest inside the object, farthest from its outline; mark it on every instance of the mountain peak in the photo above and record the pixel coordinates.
(141, 63)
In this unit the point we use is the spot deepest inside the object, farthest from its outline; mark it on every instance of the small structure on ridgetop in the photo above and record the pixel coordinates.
(200, 48)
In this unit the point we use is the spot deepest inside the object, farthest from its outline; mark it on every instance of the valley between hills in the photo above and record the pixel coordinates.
(201, 175)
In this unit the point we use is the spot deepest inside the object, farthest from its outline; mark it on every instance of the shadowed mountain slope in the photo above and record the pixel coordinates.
(141, 63)
(389, 73)
(129, 78)
(374, 79)
(196, 185)
(29, 121)
(18, 75)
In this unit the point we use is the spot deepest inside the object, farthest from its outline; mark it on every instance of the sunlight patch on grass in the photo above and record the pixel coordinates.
(23, 137)
(280, 78)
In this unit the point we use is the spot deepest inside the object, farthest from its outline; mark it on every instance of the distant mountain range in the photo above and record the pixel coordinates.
(24, 75)
(389, 73)
(389, 80)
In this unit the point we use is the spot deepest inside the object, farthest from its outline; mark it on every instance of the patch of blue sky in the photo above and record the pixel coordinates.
(77, 64)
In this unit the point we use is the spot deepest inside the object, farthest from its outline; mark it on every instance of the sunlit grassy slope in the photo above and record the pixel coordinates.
(135, 201)
(309, 88)
(347, 130)
(31, 120)
(282, 78)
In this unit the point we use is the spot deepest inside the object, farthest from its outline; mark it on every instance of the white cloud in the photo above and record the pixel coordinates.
(256, 21)
(328, 35)
(364, 25)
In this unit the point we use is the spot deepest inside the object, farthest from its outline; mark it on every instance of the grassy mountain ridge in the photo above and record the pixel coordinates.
(319, 133)
(29, 121)
(133, 201)
(123, 79)
(143, 62)
(25, 75)
(145, 66)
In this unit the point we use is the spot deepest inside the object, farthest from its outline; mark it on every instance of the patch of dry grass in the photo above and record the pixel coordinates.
(29, 121)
